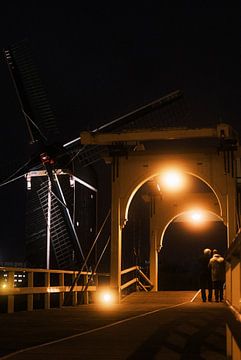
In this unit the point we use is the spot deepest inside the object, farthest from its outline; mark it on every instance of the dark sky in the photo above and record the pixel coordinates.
(99, 61)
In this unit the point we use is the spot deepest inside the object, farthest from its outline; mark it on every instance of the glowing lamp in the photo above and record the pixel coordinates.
(106, 297)
(172, 180)
(196, 216)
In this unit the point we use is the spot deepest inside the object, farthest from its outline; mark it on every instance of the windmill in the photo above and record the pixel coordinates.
(47, 161)
(49, 157)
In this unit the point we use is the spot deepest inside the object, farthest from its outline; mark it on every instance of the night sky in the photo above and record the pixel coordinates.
(99, 61)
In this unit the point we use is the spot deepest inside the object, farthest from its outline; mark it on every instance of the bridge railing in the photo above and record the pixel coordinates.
(30, 289)
(136, 281)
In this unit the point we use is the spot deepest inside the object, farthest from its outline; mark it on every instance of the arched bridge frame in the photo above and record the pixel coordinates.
(214, 164)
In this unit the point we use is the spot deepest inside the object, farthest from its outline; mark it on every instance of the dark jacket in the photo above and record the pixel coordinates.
(204, 270)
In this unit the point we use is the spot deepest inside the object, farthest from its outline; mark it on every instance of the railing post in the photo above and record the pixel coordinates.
(96, 280)
(61, 294)
(74, 292)
(30, 296)
(85, 292)
(11, 297)
(47, 294)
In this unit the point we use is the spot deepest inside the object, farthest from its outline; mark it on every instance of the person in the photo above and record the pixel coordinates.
(205, 275)
(217, 267)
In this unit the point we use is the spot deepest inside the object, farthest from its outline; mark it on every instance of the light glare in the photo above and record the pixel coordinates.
(106, 297)
(196, 216)
(172, 180)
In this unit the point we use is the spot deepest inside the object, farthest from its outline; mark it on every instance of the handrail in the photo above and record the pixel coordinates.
(136, 279)
(129, 283)
(145, 277)
(142, 286)
(10, 289)
(16, 269)
(129, 269)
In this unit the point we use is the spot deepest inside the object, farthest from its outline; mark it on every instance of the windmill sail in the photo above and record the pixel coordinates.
(42, 129)
(59, 232)
(38, 114)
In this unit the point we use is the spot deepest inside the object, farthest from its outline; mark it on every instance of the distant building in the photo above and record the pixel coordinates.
(20, 278)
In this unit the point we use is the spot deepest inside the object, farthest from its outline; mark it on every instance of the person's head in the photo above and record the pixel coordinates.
(215, 251)
(207, 252)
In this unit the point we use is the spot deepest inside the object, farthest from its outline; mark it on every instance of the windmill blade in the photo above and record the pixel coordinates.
(38, 114)
(87, 155)
(10, 174)
(169, 110)
(46, 154)
(48, 243)
(31, 94)
(61, 244)
(70, 239)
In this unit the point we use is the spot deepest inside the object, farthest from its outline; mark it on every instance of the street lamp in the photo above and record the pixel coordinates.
(197, 216)
(172, 180)
(106, 297)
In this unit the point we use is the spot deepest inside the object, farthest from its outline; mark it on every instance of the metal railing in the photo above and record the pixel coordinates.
(41, 288)
(139, 279)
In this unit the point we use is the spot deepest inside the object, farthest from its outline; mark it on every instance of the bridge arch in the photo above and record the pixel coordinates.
(209, 164)
(212, 201)
(139, 182)
(162, 232)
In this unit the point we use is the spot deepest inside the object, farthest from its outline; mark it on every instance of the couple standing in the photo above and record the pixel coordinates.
(212, 274)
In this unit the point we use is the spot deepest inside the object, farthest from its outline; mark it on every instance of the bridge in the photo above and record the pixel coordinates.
(185, 172)
(211, 155)
(161, 324)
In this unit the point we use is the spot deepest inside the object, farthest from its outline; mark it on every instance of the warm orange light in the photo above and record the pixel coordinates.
(172, 180)
(197, 216)
(106, 297)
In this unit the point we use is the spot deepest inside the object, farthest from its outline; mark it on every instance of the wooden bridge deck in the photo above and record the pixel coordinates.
(161, 325)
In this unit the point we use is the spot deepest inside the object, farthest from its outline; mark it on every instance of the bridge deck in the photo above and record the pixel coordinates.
(163, 325)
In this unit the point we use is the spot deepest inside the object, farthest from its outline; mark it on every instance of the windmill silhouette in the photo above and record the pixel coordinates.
(49, 161)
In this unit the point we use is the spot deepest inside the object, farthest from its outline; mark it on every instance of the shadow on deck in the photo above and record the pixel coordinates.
(156, 325)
